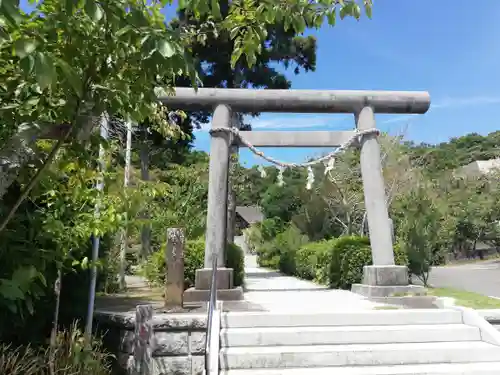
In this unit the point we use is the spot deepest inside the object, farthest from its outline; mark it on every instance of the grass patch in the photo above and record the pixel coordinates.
(467, 299)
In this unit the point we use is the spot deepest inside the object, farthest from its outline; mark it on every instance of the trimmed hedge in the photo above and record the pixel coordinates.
(154, 269)
(235, 259)
(338, 262)
(280, 253)
(311, 261)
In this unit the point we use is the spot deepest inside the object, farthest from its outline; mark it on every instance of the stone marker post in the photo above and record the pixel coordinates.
(143, 341)
(382, 278)
(215, 242)
(174, 258)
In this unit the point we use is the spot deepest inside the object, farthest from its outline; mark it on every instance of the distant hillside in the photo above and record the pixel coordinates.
(457, 152)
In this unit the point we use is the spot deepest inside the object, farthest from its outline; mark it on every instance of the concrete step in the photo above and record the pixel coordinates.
(359, 354)
(480, 368)
(340, 318)
(289, 336)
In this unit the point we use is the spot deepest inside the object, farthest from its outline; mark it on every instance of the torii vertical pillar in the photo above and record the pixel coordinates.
(383, 278)
(215, 240)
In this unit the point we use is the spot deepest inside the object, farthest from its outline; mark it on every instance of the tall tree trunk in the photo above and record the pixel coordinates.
(146, 228)
(124, 235)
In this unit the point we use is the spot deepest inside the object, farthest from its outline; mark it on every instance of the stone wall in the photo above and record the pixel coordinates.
(179, 341)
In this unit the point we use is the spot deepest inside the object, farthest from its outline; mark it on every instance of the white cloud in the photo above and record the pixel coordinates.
(303, 122)
(465, 101)
(289, 122)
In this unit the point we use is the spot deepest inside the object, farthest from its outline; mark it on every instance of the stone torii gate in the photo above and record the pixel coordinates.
(380, 279)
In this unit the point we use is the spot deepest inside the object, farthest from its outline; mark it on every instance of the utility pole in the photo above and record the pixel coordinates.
(104, 124)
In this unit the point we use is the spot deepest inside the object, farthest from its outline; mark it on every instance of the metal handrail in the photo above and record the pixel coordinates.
(212, 301)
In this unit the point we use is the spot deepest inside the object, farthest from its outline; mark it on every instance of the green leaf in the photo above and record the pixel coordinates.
(286, 24)
(345, 11)
(24, 47)
(124, 30)
(299, 24)
(368, 8)
(72, 77)
(23, 276)
(93, 10)
(27, 64)
(356, 11)
(45, 70)
(318, 21)
(165, 48)
(10, 9)
(42, 279)
(70, 6)
(332, 16)
(216, 9)
(234, 32)
(29, 304)
(236, 56)
(270, 15)
(3, 34)
(85, 263)
(10, 290)
(203, 7)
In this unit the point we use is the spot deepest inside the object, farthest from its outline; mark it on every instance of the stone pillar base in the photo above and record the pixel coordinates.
(201, 291)
(203, 278)
(196, 297)
(385, 281)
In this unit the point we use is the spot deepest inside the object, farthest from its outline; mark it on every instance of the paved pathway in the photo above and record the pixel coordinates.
(481, 277)
(276, 292)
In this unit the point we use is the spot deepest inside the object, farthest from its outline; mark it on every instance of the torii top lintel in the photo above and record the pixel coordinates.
(299, 101)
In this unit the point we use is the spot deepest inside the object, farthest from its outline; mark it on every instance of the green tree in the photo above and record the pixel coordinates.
(419, 230)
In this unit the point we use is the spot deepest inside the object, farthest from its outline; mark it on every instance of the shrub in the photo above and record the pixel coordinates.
(268, 255)
(270, 228)
(253, 238)
(352, 264)
(68, 358)
(343, 250)
(312, 260)
(288, 243)
(280, 251)
(349, 255)
(235, 259)
(194, 256)
(154, 268)
(32, 323)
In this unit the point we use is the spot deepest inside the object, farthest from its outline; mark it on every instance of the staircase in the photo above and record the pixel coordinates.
(370, 342)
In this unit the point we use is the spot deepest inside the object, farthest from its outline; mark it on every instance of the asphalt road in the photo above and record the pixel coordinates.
(482, 277)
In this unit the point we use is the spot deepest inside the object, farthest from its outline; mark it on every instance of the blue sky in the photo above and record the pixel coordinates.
(447, 47)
